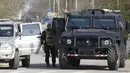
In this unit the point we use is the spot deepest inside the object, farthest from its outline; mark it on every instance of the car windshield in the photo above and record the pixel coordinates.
(78, 23)
(104, 23)
(6, 30)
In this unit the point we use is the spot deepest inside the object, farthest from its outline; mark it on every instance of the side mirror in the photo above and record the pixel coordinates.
(121, 25)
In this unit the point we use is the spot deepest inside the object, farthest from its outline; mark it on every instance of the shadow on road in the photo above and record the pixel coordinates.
(82, 67)
(4, 67)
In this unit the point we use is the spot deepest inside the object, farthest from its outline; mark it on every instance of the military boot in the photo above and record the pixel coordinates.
(53, 64)
(48, 64)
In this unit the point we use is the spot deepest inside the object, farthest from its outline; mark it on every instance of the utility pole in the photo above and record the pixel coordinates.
(58, 3)
(49, 3)
(54, 6)
(66, 6)
(118, 2)
(76, 5)
(93, 4)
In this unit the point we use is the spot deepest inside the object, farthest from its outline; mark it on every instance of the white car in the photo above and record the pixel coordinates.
(18, 41)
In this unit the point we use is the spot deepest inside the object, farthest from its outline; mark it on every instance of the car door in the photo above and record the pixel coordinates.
(30, 38)
(59, 27)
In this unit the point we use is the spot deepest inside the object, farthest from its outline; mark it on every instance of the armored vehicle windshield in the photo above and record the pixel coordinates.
(104, 23)
(78, 23)
(95, 22)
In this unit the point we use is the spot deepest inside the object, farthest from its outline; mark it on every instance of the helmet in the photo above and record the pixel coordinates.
(49, 26)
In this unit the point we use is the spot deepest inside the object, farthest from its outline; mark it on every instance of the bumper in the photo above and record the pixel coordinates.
(78, 56)
(87, 53)
(6, 54)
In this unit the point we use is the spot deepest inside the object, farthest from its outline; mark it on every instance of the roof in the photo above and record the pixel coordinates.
(95, 12)
(32, 23)
(6, 23)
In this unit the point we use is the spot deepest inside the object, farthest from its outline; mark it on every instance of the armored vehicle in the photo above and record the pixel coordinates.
(93, 36)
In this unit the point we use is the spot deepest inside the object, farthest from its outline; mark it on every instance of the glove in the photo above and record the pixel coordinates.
(44, 42)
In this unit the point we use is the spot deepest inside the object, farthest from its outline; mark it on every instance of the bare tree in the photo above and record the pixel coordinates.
(10, 8)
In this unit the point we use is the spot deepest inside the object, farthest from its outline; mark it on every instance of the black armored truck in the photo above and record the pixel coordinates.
(93, 36)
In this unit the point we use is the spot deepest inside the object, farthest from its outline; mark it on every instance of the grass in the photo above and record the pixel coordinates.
(129, 57)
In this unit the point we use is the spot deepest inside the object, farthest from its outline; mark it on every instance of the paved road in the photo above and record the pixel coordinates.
(87, 66)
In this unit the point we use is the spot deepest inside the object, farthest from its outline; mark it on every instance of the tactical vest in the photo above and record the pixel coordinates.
(49, 36)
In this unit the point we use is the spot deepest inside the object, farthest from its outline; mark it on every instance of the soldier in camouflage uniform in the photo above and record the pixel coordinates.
(49, 47)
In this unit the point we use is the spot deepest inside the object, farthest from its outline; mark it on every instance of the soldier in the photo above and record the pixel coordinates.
(49, 47)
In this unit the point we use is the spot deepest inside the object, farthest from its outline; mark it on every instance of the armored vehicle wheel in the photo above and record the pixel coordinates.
(122, 62)
(63, 60)
(122, 58)
(75, 62)
(113, 57)
(14, 63)
(127, 53)
(26, 61)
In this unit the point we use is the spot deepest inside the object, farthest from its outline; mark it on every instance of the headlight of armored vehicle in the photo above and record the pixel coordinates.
(66, 41)
(106, 42)
(6, 46)
(69, 41)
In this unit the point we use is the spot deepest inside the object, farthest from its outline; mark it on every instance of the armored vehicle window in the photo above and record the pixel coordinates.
(58, 24)
(78, 23)
(104, 23)
(6, 30)
(31, 29)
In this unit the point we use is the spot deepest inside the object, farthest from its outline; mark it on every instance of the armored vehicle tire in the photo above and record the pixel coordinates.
(127, 53)
(122, 58)
(14, 63)
(75, 62)
(122, 63)
(113, 57)
(26, 61)
(63, 60)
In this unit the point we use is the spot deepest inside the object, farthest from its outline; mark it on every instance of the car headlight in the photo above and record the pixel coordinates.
(106, 42)
(6, 46)
(69, 41)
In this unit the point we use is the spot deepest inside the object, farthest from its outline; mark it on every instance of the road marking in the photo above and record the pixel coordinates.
(49, 71)
(17, 71)
(78, 71)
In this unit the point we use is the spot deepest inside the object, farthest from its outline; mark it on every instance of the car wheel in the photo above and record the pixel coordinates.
(26, 61)
(14, 63)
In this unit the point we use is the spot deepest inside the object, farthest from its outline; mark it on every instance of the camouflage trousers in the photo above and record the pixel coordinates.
(50, 50)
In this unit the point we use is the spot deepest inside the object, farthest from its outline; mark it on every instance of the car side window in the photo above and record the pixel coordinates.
(30, 29)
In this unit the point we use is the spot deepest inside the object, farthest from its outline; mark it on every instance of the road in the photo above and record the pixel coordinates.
(87, 66)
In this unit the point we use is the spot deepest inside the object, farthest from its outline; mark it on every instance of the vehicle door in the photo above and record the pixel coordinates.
(59, 27)
(30, 38)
